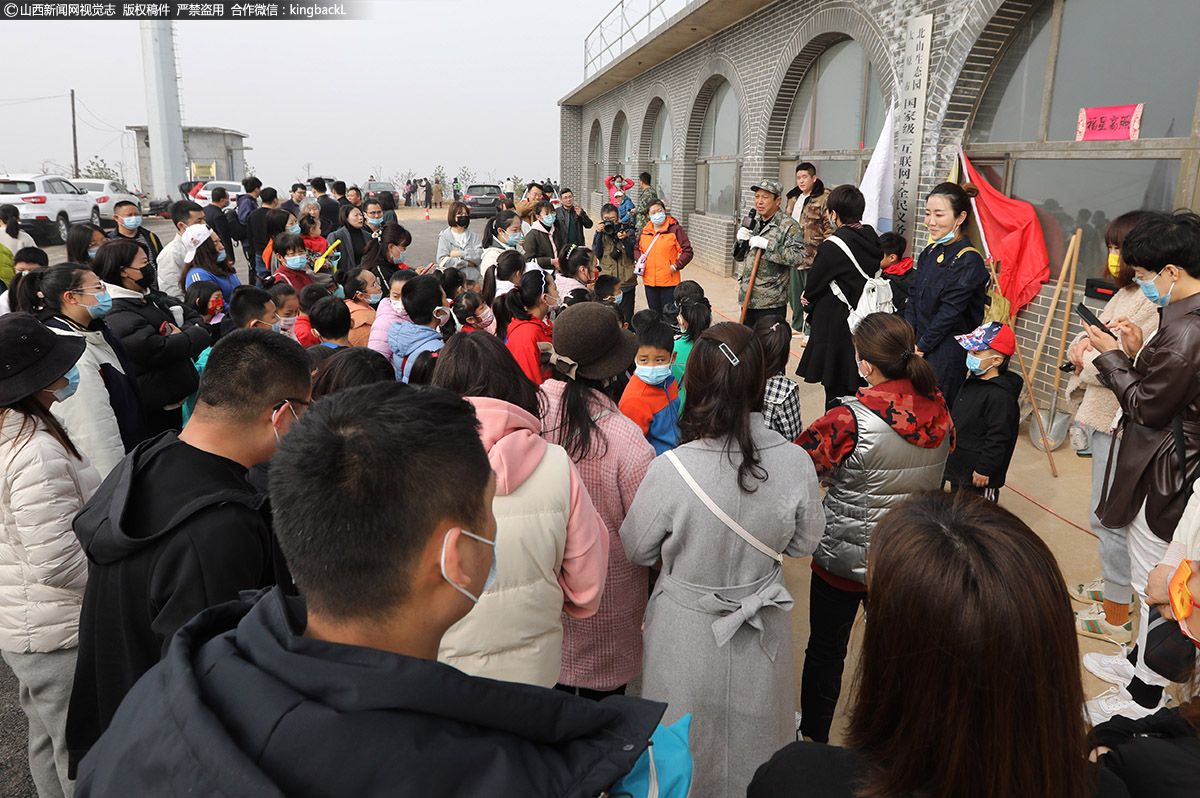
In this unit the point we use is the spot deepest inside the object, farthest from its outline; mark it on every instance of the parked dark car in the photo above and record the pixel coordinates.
(377, 187)
(482, 198)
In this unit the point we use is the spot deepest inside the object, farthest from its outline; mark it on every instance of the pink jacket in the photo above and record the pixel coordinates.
(604, 651)
(385, 317)
(612, 188)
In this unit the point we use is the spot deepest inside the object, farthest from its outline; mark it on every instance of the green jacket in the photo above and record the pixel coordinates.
(784, 253)
(642, 209)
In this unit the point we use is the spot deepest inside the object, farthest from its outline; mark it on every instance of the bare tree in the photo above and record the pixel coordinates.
(99, 168)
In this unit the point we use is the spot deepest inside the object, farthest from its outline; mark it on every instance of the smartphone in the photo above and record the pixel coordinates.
(1088, 317)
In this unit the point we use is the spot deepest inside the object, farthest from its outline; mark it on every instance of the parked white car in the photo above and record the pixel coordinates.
(204, 194)
(49, 204)
(108, 193)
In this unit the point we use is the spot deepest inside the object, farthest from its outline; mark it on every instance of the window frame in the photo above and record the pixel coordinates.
(860, 155)
(703, 161)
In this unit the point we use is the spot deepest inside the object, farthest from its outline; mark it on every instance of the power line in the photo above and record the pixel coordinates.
(20, 101)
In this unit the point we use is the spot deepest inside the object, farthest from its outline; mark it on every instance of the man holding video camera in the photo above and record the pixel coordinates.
(613, 245)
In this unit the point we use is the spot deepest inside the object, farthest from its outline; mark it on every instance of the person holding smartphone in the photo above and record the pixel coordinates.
(1158, 388)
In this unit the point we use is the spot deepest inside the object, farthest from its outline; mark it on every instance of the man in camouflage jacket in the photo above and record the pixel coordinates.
(810, 195)
(646, 195)
(782, 242)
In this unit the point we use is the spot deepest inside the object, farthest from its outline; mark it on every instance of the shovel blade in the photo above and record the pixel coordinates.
(1057, 428)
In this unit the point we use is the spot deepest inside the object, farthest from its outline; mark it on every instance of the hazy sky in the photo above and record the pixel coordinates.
(427, 82)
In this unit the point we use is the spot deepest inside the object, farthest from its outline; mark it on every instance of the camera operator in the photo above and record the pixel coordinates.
(613, 245)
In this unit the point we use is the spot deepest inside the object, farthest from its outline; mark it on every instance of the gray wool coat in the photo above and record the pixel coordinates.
(718, 636)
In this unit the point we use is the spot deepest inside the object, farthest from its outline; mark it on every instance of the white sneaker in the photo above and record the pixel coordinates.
(1117, 701)
(1112, 668)
(1091, 622)
(1090, 593)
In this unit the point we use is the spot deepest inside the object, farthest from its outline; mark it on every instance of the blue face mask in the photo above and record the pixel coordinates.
(653, 375)
(658, 218)
(92, 252)
(374, 222)
(975, 364)
(1150, 290)
(131, 222)
(516, 239)
(399, 258)
(946, 239)
(103, 305)
(491, 577)
(296, 262)
(67, 391)
(548, 219)
(339, 292)
(294, 229)
(618, 297)
(221, 256)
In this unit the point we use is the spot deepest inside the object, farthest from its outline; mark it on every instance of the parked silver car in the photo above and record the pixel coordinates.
(108, 193)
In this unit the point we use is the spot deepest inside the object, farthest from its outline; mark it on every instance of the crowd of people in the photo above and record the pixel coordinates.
(340, 523)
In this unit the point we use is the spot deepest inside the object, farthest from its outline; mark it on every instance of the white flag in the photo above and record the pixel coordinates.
(878, 182)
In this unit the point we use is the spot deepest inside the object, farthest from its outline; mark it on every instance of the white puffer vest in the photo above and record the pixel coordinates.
(881, 472)
(515, 631)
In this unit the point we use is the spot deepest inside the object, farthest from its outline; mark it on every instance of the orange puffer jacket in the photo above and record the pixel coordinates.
(671, 248)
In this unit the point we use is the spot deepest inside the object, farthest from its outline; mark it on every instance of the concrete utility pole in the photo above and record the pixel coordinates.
(74, 136)
(164, 120)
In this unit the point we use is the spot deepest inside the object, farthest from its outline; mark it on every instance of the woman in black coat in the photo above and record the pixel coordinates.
(829, 357)
(948, 295)
(161, 336)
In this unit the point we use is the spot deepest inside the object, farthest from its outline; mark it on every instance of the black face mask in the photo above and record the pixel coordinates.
(462, 221)
(147, 280)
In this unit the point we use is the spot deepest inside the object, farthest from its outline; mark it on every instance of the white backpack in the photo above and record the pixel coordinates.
(876, 294)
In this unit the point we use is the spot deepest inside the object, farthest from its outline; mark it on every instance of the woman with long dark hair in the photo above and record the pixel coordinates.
(528, 306)
(947, 297)
(590, 350)
(501, 234)
(968, 683)
(363, 293)
(459, 247)
(205, 259)
(386, 250)
(82, 242)
(352, 235)
(161, 336)
(12, 236)
(104, 417)
(551, 545)
(46, 482)
(888, 442)
(718, 629)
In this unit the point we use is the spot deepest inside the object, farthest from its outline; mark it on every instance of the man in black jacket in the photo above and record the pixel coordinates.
(329, 207)
(176, 528)
(214, 217)
(340, 693)
(256, 225)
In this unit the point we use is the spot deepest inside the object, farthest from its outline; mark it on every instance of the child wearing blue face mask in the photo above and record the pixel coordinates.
(986, 413)
(651, 399)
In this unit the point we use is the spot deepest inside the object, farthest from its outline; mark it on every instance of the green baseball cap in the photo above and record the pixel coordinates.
(768, 185)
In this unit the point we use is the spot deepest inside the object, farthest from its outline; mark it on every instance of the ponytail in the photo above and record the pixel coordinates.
(42, 288)
(697, 312)
(498, 222)
(10, 217)
(489, 285)
(889, 343)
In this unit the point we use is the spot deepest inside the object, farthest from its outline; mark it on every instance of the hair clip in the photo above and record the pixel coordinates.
(729, 355)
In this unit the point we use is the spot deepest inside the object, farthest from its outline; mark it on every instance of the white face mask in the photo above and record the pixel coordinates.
(866, 375)
(397, 306)
(491, 577)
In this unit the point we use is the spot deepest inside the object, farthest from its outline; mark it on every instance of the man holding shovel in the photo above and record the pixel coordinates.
(764, 282)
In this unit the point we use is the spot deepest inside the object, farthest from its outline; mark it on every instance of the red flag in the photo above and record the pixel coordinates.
(1014, 238)
(195, 192)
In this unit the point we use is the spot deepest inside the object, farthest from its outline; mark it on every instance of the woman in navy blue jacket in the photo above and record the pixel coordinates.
(948, 294)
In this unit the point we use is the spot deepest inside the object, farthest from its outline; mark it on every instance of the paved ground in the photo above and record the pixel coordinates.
(1029, 473)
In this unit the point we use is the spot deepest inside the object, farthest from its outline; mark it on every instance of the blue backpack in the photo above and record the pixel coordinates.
(664, 770)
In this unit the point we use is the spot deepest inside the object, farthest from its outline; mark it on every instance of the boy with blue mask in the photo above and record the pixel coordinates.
(651, 399)
(986, 413)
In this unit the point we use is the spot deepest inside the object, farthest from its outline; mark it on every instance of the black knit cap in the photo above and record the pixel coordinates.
(32, 356)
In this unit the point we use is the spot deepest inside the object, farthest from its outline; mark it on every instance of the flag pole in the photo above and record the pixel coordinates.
(987, 253)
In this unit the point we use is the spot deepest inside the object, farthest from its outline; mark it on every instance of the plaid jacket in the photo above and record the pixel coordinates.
(781, 407)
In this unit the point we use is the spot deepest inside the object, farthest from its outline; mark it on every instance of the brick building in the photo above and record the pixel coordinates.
(712, 95)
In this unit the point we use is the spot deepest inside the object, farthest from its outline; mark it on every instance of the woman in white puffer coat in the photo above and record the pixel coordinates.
(43, 570)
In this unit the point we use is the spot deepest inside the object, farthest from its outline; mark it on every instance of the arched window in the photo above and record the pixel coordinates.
(620, 147)
(662, 147)
(1034, 156)
(596, 153)
(836, 116)
(718, 167)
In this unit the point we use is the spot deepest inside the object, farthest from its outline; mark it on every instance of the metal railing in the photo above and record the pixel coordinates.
(625, 25)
